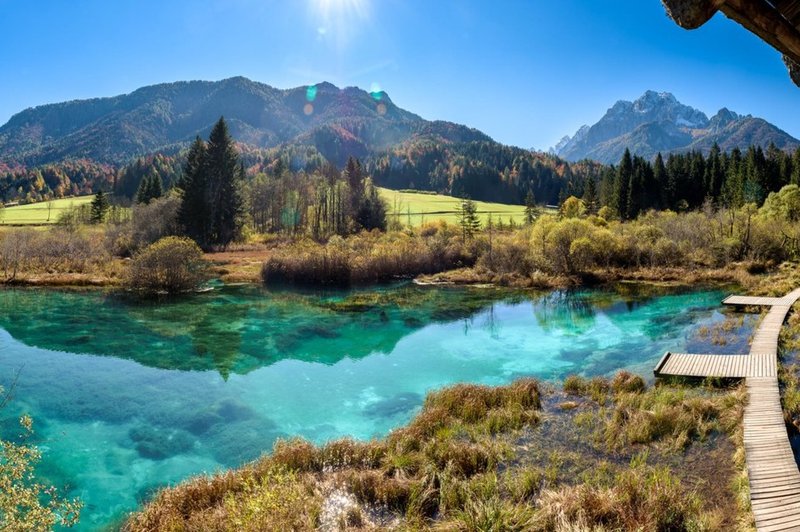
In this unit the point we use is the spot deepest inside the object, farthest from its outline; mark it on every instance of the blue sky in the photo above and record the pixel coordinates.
(525, 72)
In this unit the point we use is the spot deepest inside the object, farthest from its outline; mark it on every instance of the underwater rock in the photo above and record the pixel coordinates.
(232, 444)
(202, 422)
(231, 410)
(393, 406)
(158, 444)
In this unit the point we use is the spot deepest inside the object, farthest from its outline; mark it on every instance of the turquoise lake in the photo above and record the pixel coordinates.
(128, 396)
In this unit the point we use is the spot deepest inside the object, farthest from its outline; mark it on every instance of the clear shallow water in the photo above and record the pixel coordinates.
(129, 396)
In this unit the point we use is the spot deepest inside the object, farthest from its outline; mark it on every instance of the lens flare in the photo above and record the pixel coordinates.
(308, 109)
(311, 93)
(375, 91)
(381, 109)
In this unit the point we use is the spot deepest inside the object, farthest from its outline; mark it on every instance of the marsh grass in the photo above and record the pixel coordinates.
(633, 414)
(789, 370)
(418, 471)
(457, 466)
(720, 333)
(640, 498)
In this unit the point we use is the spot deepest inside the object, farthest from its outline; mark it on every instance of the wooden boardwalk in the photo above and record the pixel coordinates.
(771, 467)
(725, 366)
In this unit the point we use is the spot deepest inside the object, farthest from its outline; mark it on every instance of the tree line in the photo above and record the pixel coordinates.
(687, 181)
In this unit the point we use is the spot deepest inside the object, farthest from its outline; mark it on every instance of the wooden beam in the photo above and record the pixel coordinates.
(691, 14)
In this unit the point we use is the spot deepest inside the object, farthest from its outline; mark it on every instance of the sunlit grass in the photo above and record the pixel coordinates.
(415, 208)
(42, 213)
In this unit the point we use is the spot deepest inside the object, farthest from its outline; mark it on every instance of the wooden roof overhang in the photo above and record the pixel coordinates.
(777, 22)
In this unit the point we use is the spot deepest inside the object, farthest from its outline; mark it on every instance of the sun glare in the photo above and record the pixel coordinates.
(338, 18)
(333, 8)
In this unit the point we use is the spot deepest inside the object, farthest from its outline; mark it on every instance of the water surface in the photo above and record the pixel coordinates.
(128, 396)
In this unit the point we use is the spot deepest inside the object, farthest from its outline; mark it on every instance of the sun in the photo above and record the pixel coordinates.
(333, 9)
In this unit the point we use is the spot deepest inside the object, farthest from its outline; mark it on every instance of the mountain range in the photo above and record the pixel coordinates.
(339, 123)
(166, 117)
(658, 122)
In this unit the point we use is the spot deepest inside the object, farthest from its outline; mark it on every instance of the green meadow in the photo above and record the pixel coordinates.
(42, 213)
(416, 208)
(409, 208)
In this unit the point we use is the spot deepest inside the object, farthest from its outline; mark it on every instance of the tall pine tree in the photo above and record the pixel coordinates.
(99, 208)
(624, 174)
(590, 195)
(194, 214)
(225, 174)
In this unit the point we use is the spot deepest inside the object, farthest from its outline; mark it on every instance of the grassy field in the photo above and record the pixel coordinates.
(414, 208)
(40, 213)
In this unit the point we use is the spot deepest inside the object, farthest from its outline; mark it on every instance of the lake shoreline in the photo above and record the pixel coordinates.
(244, 266)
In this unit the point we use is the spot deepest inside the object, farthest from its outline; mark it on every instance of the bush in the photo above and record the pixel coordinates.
(170, 265)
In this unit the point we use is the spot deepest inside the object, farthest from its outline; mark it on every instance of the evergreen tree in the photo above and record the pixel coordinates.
(660, 180)
(372, 209)
(636, 189)
(733, 189)
(671, 191)
(714, 173)
(530, 208)
(194, 214)
(755, 168)
(354, 175)
(468, 219)
(99, 208)
(143, 190)
(156, 186)
(150, 188)
(795, 178)
(590, 195)
(624, 174)
(225, 175)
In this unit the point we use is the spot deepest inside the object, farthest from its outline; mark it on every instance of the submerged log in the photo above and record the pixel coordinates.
(691, 14)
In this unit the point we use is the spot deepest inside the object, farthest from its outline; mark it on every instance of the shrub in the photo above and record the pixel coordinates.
(57, 249)
(149, 222)
(15, 250)
(170, 265)
(368, 257)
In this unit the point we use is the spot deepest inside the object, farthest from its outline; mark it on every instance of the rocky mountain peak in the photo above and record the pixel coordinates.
(657, 121)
